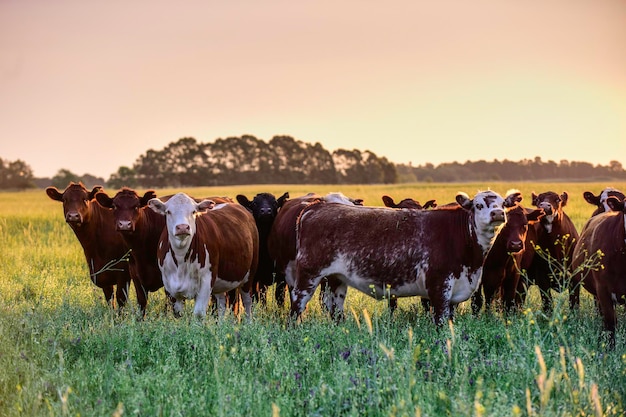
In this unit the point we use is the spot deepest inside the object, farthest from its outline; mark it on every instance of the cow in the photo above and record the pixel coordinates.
(436, 254)
(264, 208)
(141, 229)
(105, 251)
(580, 259)
(206, 249)
(408, 203)
(604, 235)
(600, 200)
(501, 268)
(553, 237)
(281, 243)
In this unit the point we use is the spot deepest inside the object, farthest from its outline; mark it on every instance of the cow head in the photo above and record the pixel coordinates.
(340, 198)
(600, 201)
(552, 204)
(487, 213)
(408, 203)
(76, 200)
(180, 213)
(516, 227)
(126, 206)
(264, 206)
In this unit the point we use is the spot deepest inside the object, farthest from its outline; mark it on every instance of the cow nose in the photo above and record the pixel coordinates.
(516, 246)
(547, 208)
(266, 211)
(124, 225)
(497, 216)
(182, 229)
(73, 217)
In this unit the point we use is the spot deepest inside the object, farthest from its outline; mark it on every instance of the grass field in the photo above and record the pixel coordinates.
(64, 352)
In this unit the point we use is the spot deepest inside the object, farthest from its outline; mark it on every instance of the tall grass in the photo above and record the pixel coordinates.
(64, 352)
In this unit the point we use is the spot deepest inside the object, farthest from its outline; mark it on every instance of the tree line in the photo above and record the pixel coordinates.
(285, 160)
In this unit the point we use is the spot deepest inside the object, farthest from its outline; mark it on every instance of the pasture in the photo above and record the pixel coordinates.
(63, 351)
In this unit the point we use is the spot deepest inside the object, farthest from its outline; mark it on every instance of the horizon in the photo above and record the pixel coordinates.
(90, 87)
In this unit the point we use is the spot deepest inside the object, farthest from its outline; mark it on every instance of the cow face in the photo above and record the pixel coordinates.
(600, 201)
(342, 199)
(76, 199)
(264, 206)
(180, 213)
(487, 213)
(516, 227)
(552, 204)
(126, 206)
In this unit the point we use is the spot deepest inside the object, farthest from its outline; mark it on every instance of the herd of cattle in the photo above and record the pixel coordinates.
(216, 247)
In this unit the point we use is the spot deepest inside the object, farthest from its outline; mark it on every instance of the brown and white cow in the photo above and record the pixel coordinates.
(605, 234)
(264, 208)
(555, 236)
(105, 250)
(501, 268)
(206, 249)
(437, 254)
(600, 200)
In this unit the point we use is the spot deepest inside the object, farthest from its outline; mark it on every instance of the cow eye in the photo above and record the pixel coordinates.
(479, 206)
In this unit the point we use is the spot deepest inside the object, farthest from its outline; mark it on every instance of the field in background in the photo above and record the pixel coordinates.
(64, 352)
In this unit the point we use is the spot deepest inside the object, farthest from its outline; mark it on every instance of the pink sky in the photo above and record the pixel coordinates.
(90, 86)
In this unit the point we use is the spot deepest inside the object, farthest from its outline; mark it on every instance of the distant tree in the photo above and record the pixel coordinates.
(63, 177)
(124, 177)
(16, 175)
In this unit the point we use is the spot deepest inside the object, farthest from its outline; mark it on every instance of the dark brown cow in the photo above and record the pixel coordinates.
(600, 200)
(105, 250)
(264, 207)
(408, 203)
(555, 236)
(206, 249)
(141, 229)
(437, 254)
(501, 269)
(605, 234)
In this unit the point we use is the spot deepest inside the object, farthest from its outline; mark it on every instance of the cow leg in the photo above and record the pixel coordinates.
(221, 304)
(204, 296)
(441, 306)
(509, 293)
(574, 294)
(108, 295)
(121, 293)
(425, 304)
(301, 294)
(477, 300)
(179, 306)
(246, 299)
(279, 294)
(609, 318)
(338, 299)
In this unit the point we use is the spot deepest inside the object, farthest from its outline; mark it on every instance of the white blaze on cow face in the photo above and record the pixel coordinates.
(488, 214)
(180, 213)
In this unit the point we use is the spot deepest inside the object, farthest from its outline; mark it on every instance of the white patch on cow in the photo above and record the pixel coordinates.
(338, 198)
(484, 204)
(604, 195)
(464, 286)
(219, 206)
(290, 273)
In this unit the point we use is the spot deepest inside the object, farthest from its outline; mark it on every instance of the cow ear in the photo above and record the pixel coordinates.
(615, 204)
(564, 198)
(430, 204)
(591, 199)
(357, 201)
(143, 201)
(535, 215)
(104, 200)
(282, 199)
(243, 200)
(205, 205)
(93, 192)
(534, 198)
(388, 201)
(464, 200)
(54, 193)
(157, 206)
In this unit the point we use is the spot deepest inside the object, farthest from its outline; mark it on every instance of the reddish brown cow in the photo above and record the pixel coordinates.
(501, 269)
(105, 250)
(264, 208)
(141, 229)
(555, 235)
(437, 254)
(408, 203)
(606, 234)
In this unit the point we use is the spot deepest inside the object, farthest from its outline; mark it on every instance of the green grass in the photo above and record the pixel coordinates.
(64, 352)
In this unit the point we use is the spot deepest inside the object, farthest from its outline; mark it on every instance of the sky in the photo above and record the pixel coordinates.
(90, 86)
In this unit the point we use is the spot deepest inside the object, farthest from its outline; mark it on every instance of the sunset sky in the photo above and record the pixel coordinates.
(90, 86)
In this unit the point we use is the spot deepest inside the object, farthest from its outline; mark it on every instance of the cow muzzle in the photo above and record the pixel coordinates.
(125, 226)
(515, 247)
(182, 230)
(497, 216)
(73, 217)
